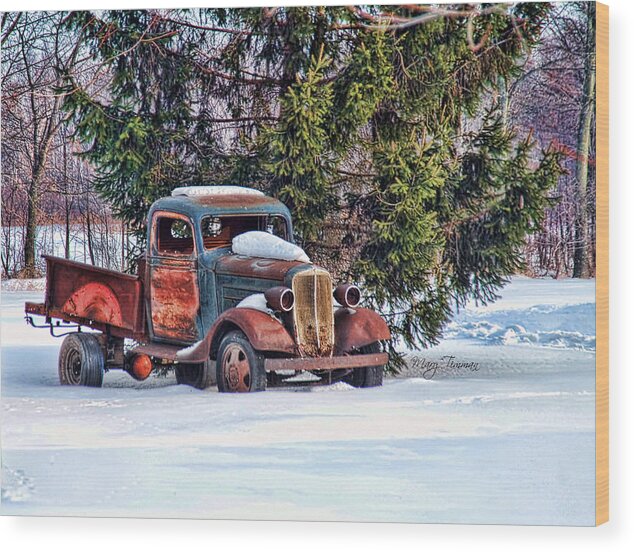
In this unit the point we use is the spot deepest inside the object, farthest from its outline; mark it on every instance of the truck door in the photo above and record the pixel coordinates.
(174, 300)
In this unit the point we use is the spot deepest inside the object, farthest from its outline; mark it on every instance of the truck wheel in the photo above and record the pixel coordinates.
(81, 361)
(200, 375)
(239, 367)
(369, 376)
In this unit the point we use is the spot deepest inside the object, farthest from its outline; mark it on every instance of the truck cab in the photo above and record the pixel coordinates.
(188, 234)
(222, 295)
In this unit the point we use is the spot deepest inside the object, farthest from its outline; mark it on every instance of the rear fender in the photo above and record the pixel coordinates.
(355, 328)
(95, 301)
(264, 332)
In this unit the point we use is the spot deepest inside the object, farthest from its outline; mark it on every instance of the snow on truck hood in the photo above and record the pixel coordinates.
(263, 244)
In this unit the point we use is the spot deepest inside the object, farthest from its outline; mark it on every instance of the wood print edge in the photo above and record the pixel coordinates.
(602, 271)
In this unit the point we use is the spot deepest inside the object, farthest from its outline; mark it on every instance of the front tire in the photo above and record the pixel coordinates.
(239, 367)
(200, 375)
(81, 360)
(368, 376)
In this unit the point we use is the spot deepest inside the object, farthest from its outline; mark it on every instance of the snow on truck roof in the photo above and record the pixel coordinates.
(194, 191)
(200, 201)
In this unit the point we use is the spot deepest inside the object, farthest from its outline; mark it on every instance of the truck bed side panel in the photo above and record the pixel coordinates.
(78, 290)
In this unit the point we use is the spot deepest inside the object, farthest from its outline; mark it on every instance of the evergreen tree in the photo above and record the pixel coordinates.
(353, 117)
(143, 128)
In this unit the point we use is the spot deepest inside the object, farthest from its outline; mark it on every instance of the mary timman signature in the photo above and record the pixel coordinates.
(448, 363)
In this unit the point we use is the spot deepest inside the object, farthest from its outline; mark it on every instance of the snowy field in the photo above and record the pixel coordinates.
(106, 241)
(494, 425)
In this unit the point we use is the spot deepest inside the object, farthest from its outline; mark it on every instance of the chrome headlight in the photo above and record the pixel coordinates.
(347, 295)
(280, 298)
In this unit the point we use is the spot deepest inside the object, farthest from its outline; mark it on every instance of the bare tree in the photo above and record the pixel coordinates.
(37, 54)
(586, 118)
(553, 99)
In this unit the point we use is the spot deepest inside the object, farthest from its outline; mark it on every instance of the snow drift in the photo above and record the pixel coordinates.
(263, 244)
(516, 333)
(555, 314)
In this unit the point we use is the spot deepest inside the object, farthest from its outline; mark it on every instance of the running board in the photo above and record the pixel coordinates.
(325, 363)
(158, 350)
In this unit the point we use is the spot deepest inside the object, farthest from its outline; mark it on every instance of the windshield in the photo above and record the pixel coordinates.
(219, 231)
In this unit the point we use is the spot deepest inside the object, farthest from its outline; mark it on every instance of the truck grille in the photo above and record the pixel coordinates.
(313, 314)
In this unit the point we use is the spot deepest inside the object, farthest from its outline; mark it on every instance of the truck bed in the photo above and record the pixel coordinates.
(102, 299)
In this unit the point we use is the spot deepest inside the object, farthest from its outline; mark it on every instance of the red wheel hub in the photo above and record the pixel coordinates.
(236, 369)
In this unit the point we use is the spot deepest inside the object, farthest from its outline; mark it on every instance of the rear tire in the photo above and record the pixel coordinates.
(81, 360)
(368, 376)
(239, 367)
(200, 376)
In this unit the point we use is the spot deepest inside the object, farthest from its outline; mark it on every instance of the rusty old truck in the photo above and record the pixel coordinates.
(188, 309)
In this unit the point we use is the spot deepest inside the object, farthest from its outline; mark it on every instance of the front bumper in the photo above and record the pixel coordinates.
(325, 363)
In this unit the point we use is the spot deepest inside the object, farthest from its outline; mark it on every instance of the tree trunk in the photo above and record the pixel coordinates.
(30, 234)
(91, 251)
(40, 156)
(586, 117)
(67, 205)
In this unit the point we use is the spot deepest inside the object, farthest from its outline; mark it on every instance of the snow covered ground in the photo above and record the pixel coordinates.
(494, 425)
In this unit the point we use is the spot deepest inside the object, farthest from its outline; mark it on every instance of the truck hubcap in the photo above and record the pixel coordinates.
(74, 367)
(236, 370)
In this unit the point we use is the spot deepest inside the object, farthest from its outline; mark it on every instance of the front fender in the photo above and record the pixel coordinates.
(264, 332)
(355, 328)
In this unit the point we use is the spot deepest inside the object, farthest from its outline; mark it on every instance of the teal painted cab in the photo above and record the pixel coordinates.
(192, 274)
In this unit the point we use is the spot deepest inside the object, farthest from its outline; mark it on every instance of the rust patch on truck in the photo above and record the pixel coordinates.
(173, 278)
(234, 201)
(255, 267)
(103, 298)
(263, 331)
(95, 301)
(174, 302)
(358, 327)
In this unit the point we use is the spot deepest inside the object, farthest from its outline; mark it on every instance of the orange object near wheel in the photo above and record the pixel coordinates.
(141, 367)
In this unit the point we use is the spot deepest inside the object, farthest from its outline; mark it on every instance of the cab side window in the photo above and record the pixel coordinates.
(276, 225)
(174, 236)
